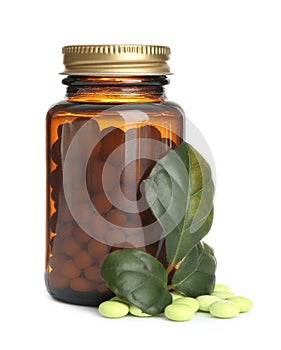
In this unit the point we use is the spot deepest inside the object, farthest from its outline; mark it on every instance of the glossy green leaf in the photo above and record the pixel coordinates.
(196, 273)
(137, 277)
(180, 191)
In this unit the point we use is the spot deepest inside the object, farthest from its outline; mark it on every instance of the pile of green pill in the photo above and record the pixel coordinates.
(222, 303)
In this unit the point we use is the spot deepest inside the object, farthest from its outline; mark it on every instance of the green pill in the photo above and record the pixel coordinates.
(136, 311)
(245, 304)
(224, 309)
(113, 309)
(220, 286)
(193, 303)
(223, 294)
(205, 301)
(176, 295)
(179, 312)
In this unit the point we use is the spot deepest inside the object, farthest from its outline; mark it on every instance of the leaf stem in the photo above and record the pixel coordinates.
(169, 269)
(170, 287)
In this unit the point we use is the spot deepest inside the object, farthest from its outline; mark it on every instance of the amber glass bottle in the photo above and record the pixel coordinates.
(102, 141)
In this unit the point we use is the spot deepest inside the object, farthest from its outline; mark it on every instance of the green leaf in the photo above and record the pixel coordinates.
(137, 277)
(196, 274)
(180, 191)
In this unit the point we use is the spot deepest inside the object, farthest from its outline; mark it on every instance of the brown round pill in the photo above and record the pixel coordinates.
(101, 203)
(56, 151)
(56, 177)
(97, 249)
(80, 235)
(81, 284)
(70, 270)
(112, 138)
(83, 259)
(116, 217)
(70, 246)
(57, 280)
(93, 274)
(150, 132)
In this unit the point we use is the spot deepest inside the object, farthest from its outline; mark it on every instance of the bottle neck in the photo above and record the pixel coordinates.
(114, 89)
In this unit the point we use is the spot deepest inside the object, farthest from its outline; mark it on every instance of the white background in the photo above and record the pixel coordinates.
(226, 60)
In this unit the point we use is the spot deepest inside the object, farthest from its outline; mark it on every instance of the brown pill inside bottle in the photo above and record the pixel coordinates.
(56, 152)
(56, 177)
(83, 259)
(70, 270)
(69, 246)
(116, 217)
(112, 138)
(57, 280)
(101, 203)
(80, 235)
(150, 132)
(93, 274)
(97, 249)
(81, 284)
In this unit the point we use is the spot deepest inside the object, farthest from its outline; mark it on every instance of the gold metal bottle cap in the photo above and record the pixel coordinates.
(116, 60)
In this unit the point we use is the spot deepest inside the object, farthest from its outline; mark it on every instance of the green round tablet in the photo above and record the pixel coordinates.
(179, 312)
(245, 304)
(113, 309)
(224, 309)
(223, 294)
(220, 286)
(136, 311)
(205, 302)
(193, 303)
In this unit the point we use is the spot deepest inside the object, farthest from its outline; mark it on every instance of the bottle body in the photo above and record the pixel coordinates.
(98, 152)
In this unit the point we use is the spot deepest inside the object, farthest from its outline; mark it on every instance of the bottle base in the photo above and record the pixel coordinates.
(68, 295)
